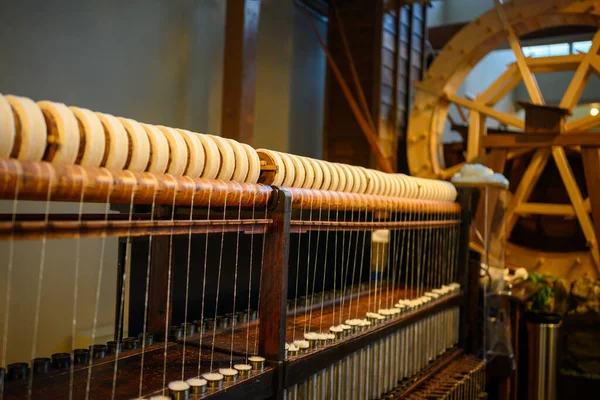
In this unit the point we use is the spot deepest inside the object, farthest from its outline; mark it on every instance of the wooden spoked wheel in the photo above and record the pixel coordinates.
(524, 167)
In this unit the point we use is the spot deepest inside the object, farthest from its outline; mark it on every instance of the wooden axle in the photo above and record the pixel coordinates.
(58, 182)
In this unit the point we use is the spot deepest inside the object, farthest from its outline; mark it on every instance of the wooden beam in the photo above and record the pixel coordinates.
(488, 111)
(575, 196)
(474, 135)
(591, 166)
(595, 64)
(526, 186)
(532, 141)
(582, 124)
(239, 70)
(531, 85)
(545, 209)
(582, 74)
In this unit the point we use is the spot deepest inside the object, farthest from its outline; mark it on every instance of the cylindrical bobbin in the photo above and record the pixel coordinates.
(179, 390)
(257, 362)
(214, 380)
(243, 369)
(197, 386)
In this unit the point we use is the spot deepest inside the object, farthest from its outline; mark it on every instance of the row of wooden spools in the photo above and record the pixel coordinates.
(56, 133)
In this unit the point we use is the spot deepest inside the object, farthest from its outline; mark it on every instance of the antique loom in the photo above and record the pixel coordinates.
(241, 273)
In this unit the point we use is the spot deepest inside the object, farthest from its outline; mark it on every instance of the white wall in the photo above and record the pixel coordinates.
(456, 11)
(127, 58)
(480, 77)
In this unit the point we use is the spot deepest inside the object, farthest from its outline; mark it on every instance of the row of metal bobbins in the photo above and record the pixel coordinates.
(195, 388)
(53, 132)
(461, 379)
(379, 367)
(79, 357)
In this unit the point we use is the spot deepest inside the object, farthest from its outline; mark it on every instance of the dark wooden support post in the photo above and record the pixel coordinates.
(591, 165)
(468, 273)
(239, 70)
(274, 281)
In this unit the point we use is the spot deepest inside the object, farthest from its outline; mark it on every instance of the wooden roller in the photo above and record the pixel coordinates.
(54, 132)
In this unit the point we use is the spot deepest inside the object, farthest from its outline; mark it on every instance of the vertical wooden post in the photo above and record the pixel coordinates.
(239, 70)
(467, 274)
(274, 280)
(591, 166)
(160, 295)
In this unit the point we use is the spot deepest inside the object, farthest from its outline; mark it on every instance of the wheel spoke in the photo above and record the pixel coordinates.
(582, 74)
(526, 186)
(583, 124)
(528, 79)
(500, 116)
(578, 204)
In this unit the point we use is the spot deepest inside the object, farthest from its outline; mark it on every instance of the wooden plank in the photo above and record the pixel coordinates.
(583, 124)
(488, 111)
(160, 287)
(474, 135)
(591, 166)
(545, 209)
(274, 282)
(595, 64)
(575, 196)
(239, 70)
(582, 74)
(528, 79)
(534, 141)
(535, 94)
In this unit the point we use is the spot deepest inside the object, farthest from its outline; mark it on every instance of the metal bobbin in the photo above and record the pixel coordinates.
(175, 332)
(98, 351)
(40, 366)
(197, 386)
(188, 328)
(81, 356)
(243, 369)
(257, 362)
(179, 390)
(61, 360)
(229, 374)
(114, 347)
(214, 380)
(146, 338)
(17, 371)
(131, 343)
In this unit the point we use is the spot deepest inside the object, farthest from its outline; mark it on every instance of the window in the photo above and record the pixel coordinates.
(558, 49)
(582, 47)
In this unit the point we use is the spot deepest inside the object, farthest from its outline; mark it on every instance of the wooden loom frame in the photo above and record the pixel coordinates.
(66, 183)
